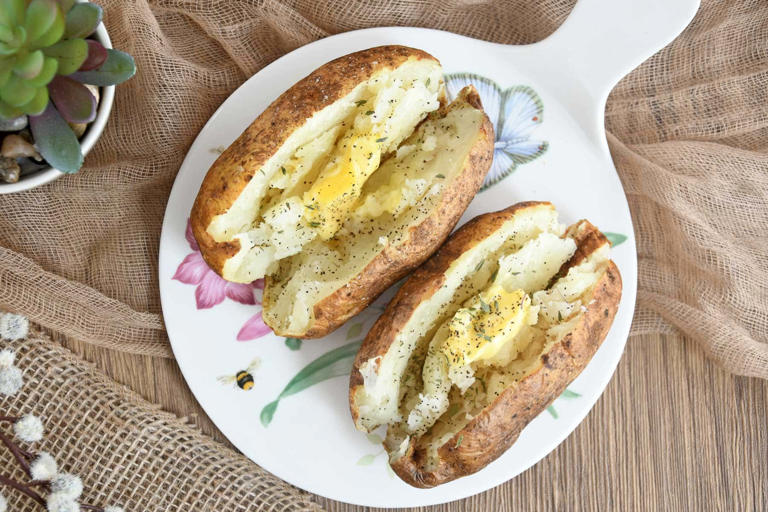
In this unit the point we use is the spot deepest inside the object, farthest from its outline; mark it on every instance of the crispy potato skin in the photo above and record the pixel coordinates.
(421, 286)
(393, 263)
(235, 167)
(498, 426)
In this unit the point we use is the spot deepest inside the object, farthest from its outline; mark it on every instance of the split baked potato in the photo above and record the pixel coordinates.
(350, 179)
(482, 338)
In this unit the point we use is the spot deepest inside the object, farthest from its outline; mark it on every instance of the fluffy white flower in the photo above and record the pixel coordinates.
(44, 467)
(3, 503)
(13, 327)
(111, 508)
(68, 485)
(29, 428)
(58, 502)
(10, 380)
(7, 357)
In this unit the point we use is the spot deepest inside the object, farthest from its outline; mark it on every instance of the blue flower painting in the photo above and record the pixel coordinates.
(515, 113)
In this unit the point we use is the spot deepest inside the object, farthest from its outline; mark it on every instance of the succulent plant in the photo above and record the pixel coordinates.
(45, 60)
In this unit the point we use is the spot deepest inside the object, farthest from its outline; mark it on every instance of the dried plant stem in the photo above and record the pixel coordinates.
(22, 488)
(91, 507)
(16, 452)
(28, 455)
(10, 419)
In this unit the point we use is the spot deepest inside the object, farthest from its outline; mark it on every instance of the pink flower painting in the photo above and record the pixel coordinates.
(211, 289)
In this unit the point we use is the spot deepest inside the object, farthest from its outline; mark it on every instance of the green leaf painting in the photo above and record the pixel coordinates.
(293, 343)
(374, 438)
(615, 238)
(354, 330)
(336, 363)
(566, 395)
(366, 460)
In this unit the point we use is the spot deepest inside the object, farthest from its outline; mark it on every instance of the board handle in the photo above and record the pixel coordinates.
(603, 40)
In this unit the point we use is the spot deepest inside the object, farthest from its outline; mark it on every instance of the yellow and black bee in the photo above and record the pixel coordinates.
(244, 378)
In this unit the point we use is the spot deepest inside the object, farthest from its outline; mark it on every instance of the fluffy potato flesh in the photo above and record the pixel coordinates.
(402, 192)
(309, 188)
(503, 304)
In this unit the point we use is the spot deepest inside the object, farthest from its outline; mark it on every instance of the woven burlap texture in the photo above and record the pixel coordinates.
(125, 449)
(688, 131)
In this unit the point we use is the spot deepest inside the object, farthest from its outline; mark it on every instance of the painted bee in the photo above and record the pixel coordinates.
(244, 378)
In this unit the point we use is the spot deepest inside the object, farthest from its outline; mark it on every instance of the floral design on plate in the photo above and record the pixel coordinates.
(369, 458)
(567, 395)
(243, 379)
(335, 363)
(515, 113)
(211, 289)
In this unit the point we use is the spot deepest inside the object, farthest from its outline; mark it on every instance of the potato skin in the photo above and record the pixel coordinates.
(497, 427)
(424, 282)
(235, 167)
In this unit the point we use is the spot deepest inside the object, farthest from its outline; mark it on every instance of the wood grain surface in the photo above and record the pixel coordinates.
(671, 432)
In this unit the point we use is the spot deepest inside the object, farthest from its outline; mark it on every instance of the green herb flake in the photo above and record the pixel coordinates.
(381, 139)
(282, 169)
(495, 273)
(459, 440)
(559, 316)
(369, 112)
(360, 103)
(485, 307)
(479, 265)
(314, 224)
(428, 82)
(441, 176)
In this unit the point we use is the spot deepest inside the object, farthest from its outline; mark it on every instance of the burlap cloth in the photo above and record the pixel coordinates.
(688, 131)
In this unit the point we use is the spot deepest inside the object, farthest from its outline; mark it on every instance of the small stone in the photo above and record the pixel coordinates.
(9, 170)
(13, 125)
(14, 146)
(28, 166)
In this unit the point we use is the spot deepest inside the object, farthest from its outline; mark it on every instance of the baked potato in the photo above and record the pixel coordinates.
(482, 338)
(345, 183)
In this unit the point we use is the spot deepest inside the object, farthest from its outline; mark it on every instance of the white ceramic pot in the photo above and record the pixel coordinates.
(92, 133)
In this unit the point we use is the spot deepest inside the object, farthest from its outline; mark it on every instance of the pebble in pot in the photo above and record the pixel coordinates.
(19, 150)
(13, 125)
(9, 170)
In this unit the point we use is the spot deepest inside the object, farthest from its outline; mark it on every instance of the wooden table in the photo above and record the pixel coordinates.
(672, 432)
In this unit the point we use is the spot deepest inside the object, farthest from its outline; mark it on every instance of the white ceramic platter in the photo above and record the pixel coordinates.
(294, 421)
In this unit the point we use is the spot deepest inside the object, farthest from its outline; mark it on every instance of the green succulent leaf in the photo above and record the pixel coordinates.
(37, 104)
(30, 65)
(56, 140)
(66, 5)
(97, 54)
(16, 91)
(73, 100)
(50, 65)
(71, 53)
(40, 17)
(82, 20)
(118, 68)
(9, 112)
(12, 12)
(6, 33)
(52, 35)
(6, 68)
